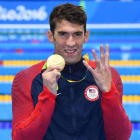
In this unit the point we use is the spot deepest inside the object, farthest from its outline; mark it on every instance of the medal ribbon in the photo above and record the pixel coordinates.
(70, 81)
(85, 56)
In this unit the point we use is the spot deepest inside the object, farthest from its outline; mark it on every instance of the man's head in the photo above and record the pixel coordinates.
(72, 13)
(68, 31)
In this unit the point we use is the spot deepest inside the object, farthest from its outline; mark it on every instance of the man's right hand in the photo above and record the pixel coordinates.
(50, 77)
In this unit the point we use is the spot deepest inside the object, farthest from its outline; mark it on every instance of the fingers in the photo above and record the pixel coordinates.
(50, 77)
(107, 56)
(88, 66)
(51, 68)
(57, 74)
(97, 61)
(52, 72)
(102, 55)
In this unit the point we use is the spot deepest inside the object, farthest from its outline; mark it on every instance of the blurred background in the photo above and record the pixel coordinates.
(23, 42)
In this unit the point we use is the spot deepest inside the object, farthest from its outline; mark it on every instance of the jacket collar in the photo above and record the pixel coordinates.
(75, 67)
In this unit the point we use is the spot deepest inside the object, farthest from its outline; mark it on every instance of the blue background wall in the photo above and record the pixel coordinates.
(23, 42)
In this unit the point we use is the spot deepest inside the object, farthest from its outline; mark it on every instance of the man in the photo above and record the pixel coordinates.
(39, 113)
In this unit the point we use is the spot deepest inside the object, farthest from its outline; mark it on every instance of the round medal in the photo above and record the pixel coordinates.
(56, 60)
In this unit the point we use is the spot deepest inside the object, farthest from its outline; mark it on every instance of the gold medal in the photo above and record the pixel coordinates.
(56, 60)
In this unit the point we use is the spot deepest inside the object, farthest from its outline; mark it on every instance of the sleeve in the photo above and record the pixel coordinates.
(116, 123)
(28, 122)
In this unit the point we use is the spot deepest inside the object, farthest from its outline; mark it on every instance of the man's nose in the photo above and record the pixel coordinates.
(70, 41)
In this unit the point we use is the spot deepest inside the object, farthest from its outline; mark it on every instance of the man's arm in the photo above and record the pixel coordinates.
(28, 122)
(116, 123)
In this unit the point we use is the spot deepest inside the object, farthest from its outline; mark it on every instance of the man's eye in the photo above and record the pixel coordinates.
(78, 34)
(62, 33)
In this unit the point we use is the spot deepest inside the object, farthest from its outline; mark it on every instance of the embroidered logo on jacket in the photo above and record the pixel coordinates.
(92, 93)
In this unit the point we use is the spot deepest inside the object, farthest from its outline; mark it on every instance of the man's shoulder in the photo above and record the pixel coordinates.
(35, 68)
(31, 71)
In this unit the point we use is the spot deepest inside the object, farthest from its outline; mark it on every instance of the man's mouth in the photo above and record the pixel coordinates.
(70, 51)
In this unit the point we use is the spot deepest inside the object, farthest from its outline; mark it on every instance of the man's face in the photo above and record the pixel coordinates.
(68, 41)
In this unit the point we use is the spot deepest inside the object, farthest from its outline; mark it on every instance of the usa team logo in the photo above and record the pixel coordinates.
(92, 93)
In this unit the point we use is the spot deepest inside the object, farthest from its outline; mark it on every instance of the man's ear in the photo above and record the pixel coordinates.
(50, 36)
(86, 36)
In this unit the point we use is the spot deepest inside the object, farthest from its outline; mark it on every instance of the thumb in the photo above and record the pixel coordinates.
(88, 67)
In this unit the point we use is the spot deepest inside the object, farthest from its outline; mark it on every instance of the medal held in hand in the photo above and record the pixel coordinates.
(56, 60)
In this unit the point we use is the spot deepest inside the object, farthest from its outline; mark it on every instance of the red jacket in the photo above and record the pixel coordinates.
(32, 122)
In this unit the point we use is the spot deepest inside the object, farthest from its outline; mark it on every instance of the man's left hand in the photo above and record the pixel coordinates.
(102, 73)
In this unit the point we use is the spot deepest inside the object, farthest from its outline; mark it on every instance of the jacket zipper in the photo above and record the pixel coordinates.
(73, 107)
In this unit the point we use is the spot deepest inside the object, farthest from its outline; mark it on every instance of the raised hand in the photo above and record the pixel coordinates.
(102, 73)
(50, 78)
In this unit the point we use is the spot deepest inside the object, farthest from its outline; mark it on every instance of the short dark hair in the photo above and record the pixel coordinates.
(70, 12)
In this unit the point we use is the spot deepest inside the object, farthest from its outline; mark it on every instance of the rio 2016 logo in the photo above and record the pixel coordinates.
(23, 14)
